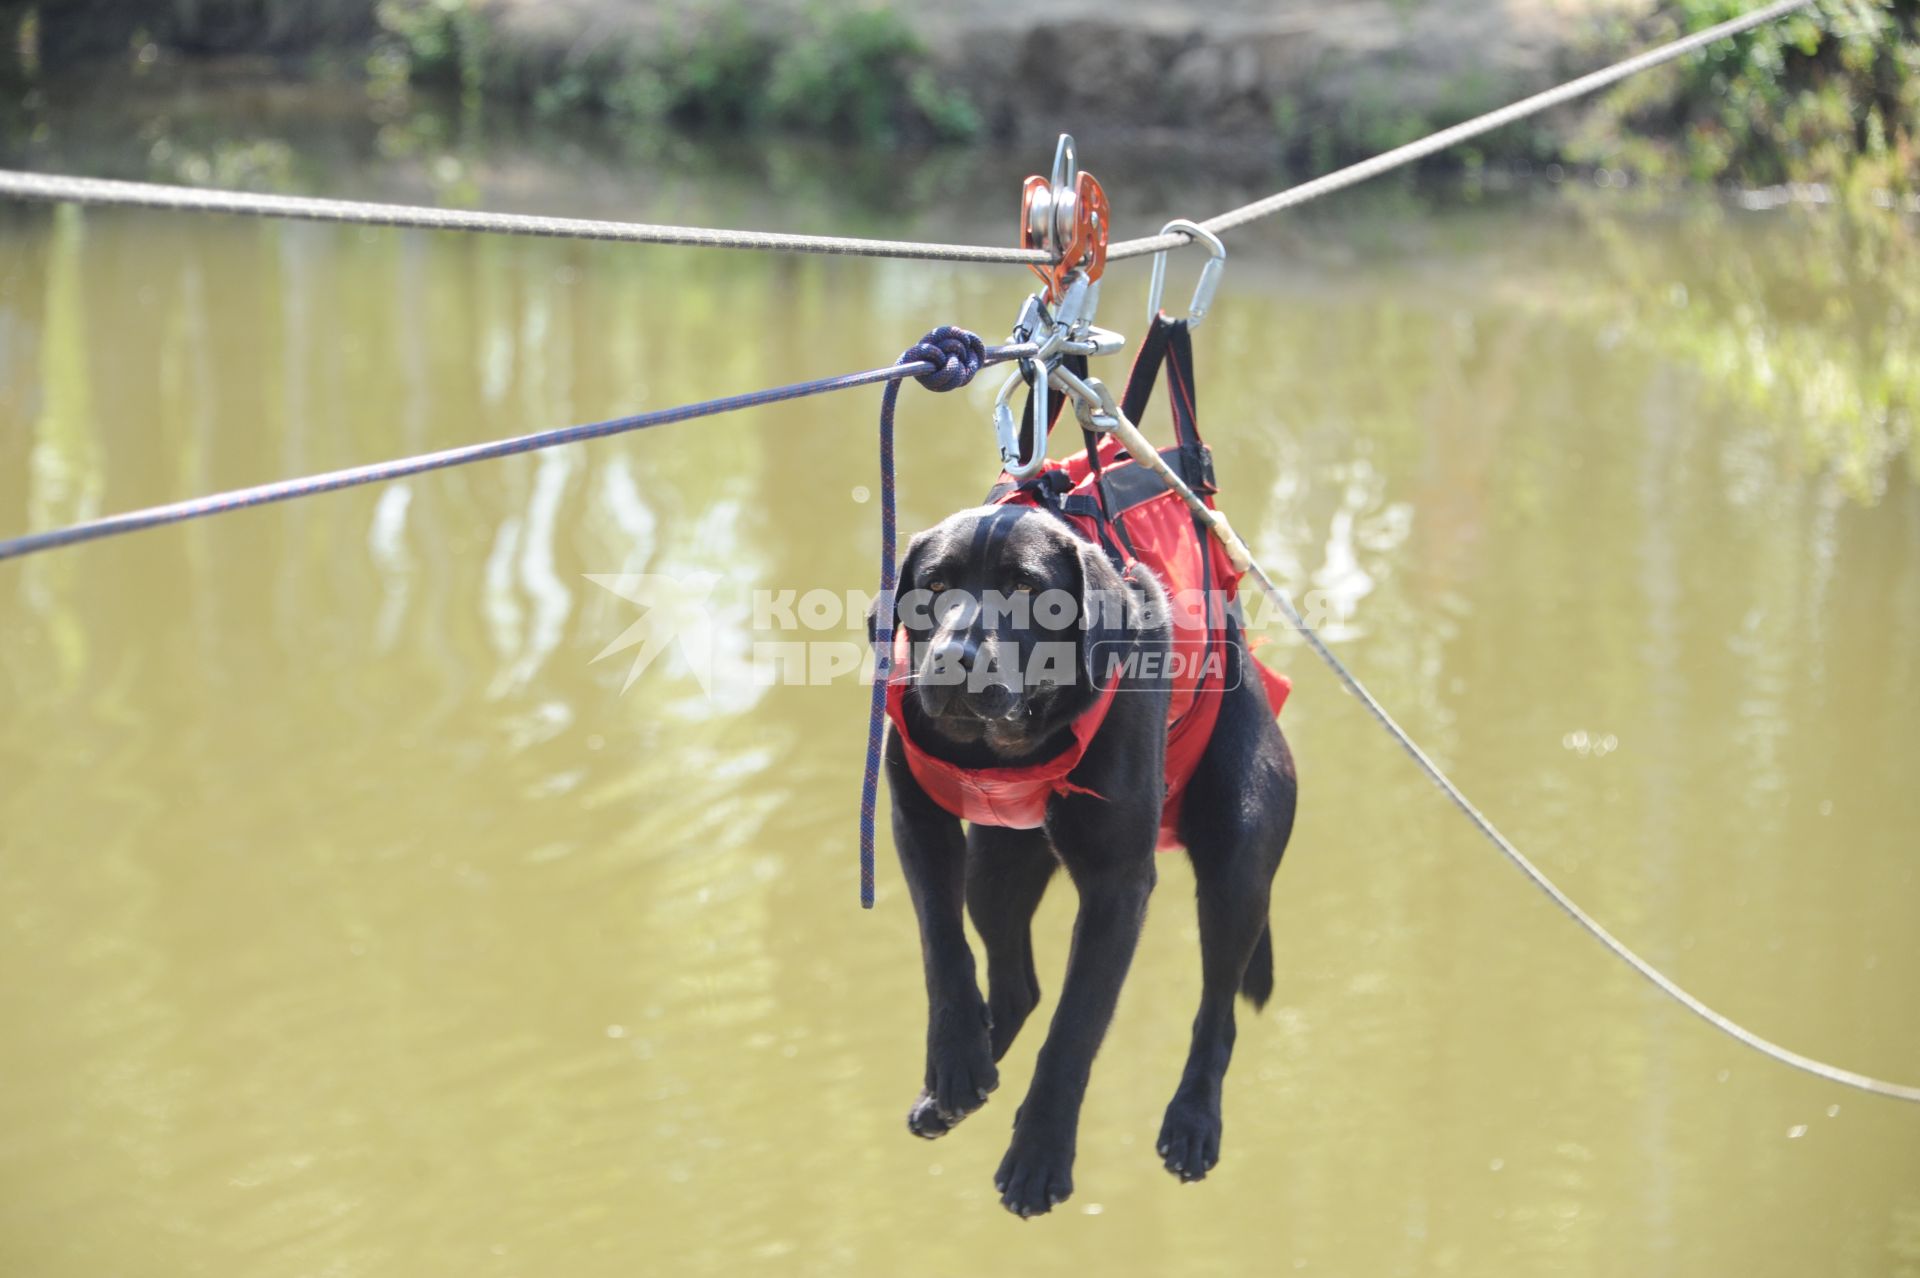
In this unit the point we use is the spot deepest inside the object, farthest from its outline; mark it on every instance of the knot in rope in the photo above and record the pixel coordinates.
(956, 355)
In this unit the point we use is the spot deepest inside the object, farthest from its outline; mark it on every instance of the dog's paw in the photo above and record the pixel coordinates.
(925, 1120)
(1035, 1177)
(1190, 1139)
(960, 1073)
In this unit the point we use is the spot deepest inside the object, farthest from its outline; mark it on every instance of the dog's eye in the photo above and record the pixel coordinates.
(937, 585)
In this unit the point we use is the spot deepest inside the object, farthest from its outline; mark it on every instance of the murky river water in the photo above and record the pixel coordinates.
(356, 921)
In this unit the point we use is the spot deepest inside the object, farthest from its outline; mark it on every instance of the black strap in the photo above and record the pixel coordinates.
(1167, 342)
(1105, 522)
(1170, 342)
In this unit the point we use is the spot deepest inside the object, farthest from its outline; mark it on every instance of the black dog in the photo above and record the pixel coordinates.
(1234, 821)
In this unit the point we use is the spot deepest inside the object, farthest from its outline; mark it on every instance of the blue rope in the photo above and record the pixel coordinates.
(945, 359)
(925, 361)
(954, 355)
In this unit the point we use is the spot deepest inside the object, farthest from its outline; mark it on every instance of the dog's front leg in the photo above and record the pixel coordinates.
(1108, 851)
(960, 1069)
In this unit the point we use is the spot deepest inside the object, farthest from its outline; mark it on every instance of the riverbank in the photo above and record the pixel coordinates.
(1830, 97)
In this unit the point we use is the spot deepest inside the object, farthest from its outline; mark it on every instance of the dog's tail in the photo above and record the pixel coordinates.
(1257, 985)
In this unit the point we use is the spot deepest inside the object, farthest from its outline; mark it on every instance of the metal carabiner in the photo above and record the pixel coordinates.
(1007, 428)
(1209, 274)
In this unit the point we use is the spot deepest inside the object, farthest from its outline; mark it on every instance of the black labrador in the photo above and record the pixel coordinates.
(1234, 822)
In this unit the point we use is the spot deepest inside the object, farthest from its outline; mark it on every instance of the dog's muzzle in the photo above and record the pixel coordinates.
(958, 676)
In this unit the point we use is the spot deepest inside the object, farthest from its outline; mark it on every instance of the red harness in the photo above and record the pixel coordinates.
(1111, 500)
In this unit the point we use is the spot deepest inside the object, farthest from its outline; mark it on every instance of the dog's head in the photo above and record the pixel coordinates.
(1014, 622)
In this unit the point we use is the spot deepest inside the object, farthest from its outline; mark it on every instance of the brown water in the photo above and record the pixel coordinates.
(356, 922)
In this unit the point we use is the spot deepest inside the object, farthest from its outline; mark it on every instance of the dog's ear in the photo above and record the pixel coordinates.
(1109, 614)
(909, 570)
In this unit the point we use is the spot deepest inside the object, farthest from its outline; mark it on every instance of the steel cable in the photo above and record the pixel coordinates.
(1216, 522)
(59, 188)
(1401, 156)
(104, 192)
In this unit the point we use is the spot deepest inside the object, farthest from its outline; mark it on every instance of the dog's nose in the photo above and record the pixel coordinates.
(956, 652)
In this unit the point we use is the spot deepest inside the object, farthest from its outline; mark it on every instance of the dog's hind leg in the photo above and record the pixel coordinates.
(1007, 874)
(1235, 820)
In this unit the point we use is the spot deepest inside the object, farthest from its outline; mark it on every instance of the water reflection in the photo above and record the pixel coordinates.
(371, 925)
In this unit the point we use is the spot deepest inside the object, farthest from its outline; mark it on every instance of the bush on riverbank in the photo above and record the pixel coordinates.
(1829, 95)
(851, 73)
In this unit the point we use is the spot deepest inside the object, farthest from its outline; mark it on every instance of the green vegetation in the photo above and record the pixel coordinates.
(429, 40)
(847, 72)
(1829, 95)
(852, 73)
(706, 75)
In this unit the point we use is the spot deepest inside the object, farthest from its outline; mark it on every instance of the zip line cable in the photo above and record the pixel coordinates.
(56, 188)
(1400, 156)
(102, 192)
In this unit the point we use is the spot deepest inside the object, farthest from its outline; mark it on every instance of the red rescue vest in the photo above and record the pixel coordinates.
(1146, 526)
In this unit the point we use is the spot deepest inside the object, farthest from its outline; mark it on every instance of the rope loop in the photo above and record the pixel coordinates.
(956, 355)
